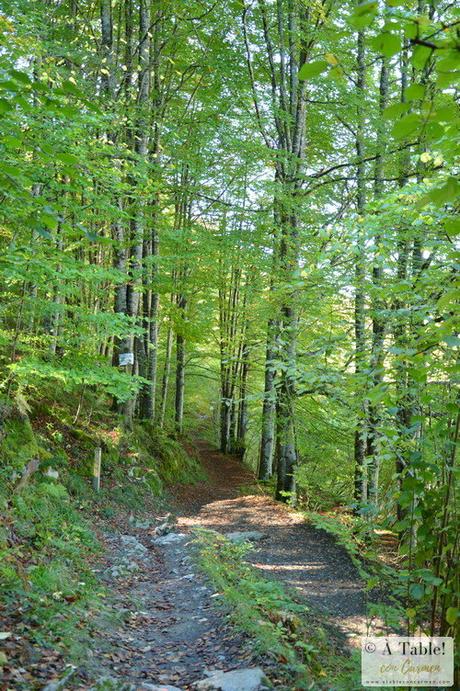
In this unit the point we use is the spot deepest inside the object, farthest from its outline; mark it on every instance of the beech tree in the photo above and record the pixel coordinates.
(250, 208)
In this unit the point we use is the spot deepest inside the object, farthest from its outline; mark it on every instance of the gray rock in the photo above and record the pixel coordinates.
(155, 687)
(247, 536)
(250, 679)
(133, 544)
(142, 525)
(170, 538)
(166, 527)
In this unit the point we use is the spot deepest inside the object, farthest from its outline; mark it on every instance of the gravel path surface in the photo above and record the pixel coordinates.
(304, 557)
(167, 629)
(170, 629)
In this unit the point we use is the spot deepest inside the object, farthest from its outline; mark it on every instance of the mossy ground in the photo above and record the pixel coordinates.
(48, 533)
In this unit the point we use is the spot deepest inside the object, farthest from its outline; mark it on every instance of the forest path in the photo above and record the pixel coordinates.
(163, 626)
(305, 558)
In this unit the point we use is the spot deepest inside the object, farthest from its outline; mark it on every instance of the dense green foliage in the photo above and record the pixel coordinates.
(247, 212)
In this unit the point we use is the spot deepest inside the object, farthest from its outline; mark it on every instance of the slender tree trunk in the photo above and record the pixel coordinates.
(180, 383)
(360, 338)
(243, 403)
(378, 322)
(165, 379)
(152, 304)
(141, 142)
(285, 425)
(267, 440)
(400, 327)
(58, 301)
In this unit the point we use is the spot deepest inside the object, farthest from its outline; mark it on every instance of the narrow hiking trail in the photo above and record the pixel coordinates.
(307, 559)
(167, 630)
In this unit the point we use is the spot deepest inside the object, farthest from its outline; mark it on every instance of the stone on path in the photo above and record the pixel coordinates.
(247, 536)
(133, 545)
(170, 538)
(166, 527)
(250, 679)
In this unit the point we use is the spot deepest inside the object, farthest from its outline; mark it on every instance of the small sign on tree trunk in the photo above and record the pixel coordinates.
(126, 359)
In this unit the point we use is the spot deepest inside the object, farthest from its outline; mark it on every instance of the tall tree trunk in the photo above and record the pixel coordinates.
(289, 100)
(141, 142)
(400, 327)
(378, 323)
(242, 424)
(150, 275)
(285, 425)
(165, 378)
(267, 441)
(180, 382)
(360, 334)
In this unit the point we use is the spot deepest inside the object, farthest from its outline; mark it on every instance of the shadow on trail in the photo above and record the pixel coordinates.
(305, 558)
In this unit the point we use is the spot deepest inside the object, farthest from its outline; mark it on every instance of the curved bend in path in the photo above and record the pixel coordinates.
(305, 558)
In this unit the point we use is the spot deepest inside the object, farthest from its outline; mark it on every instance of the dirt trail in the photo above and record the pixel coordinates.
(170, 629)
(305, 558)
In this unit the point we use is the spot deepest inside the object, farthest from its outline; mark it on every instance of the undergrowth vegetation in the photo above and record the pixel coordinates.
(50, 515)
(46, 548)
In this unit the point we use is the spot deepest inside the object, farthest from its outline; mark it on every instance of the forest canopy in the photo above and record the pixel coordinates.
(244, 213)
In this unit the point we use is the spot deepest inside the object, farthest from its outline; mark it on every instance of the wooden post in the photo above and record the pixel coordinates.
(97, 469)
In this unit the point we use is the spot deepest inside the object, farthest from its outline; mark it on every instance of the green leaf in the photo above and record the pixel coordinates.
(368, 7)
(21, 77)
(312, 69)
(429, 577)
(448, 78)
(8, 169)
(65, 157)
(12, 142)
(49, 220)
(447, 193)
(453, 341)
(448, 64)
(452, 226)
(407, 126)
(420, 56)
(448, 299)
(410, 30)
(395, 111)
(415, 92)
(417, 591)
(452, 615)
(5, 106)
(386, 43)
(363, 15)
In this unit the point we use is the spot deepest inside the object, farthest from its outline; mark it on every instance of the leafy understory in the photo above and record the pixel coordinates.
(51, 599)
(303, 651)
